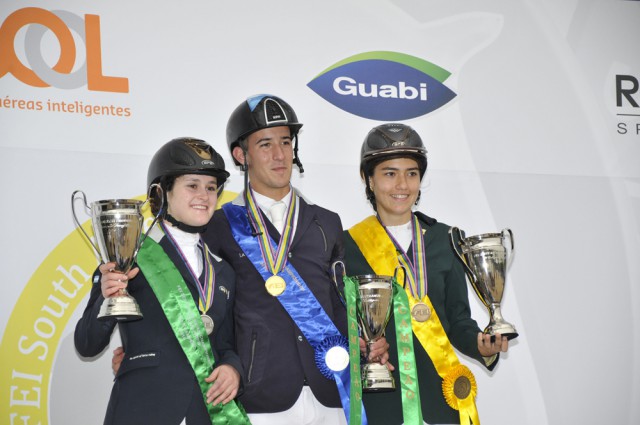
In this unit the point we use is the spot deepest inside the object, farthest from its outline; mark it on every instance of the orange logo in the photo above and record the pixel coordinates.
(62, 75)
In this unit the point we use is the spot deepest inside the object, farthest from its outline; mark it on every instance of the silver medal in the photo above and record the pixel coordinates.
(208, 323)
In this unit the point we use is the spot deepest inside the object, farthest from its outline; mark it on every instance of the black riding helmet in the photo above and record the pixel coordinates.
(390, 141)
(186, 155)
(259, 112)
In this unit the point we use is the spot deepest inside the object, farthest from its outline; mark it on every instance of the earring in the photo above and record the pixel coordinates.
(418, 198)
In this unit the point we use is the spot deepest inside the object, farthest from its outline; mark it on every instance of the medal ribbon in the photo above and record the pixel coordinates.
(417, 266)
(178, 306)
(274, 257)
(379, 250)
(206, 288)
(299, 302)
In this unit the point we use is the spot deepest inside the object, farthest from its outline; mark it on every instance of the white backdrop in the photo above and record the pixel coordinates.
(535, 140)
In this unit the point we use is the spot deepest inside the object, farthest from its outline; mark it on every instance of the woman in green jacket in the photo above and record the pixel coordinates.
(432, 385)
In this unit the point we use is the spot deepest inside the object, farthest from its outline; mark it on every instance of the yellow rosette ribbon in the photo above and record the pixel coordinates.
(460, 389)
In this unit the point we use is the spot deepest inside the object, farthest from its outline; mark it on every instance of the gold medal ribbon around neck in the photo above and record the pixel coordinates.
(275, 257)
(459, 385)
(416, 267)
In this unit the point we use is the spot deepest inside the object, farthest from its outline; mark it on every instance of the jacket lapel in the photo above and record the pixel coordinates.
(304, 220)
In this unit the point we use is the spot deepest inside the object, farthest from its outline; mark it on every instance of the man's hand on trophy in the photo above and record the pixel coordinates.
(488, 345)
(378, 352)
(112, 282)
(118, 356)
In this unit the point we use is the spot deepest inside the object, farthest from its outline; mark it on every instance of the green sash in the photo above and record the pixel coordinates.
(181, 311)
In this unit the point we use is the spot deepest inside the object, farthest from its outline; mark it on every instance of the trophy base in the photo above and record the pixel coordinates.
(376, 378)
(123, 308)
(504, 329)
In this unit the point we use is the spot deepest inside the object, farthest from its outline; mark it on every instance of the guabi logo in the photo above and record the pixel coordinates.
(62, 75)
(384, 86)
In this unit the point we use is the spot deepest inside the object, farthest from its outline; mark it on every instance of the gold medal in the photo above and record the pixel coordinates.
(208, 323)
(421, 312)
(275, 285)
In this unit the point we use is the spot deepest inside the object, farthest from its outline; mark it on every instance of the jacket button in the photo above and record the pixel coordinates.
(300, 338)
(290, 254)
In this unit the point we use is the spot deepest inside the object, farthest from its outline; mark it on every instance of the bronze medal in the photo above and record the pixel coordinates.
(208, 323)
(462, 387)
(275, 285)
(421, 312)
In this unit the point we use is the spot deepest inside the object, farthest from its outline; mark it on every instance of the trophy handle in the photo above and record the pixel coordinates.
(456, 248)
(508, 233)
(334, 276)
(155, 219)
(75, 218)
(404, 274)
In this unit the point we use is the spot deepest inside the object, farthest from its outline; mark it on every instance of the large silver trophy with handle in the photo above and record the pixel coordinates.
(374, 301)
(486, 259)
(117, 227)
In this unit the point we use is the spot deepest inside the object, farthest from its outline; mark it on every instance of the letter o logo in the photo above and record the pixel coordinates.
(33, 15)
(39, 73)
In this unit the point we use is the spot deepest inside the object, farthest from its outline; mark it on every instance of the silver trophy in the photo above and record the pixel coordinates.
(486, 259)
(117, 227)
(374, 306)
(374, 300)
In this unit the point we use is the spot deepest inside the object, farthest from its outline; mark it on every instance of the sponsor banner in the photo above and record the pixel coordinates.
(78, 64)
(384, 86)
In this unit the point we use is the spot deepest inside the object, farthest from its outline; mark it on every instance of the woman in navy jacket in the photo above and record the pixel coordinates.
(180, 363)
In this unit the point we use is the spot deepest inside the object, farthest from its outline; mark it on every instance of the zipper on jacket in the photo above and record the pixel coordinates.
(254, 339)
(324, 237)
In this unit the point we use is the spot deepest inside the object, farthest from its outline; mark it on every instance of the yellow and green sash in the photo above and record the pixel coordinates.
(459, 385)
(181, 311)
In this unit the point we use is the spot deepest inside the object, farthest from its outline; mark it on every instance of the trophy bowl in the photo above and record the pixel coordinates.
(486, 258)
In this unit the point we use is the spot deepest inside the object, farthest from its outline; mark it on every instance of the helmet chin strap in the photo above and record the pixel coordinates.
(183, 226)
(245, 168)
(296, 159)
